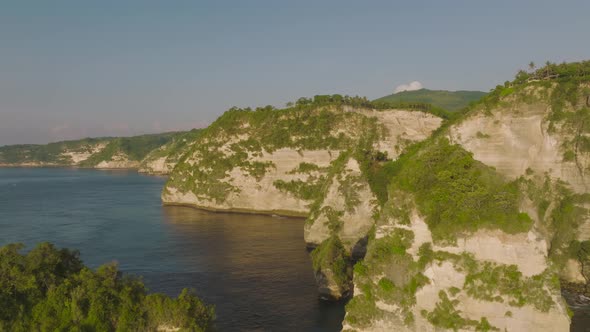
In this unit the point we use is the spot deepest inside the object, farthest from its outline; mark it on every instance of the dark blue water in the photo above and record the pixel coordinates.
(255, 269)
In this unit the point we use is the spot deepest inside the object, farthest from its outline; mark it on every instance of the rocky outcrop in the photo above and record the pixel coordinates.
(161, 161)
(260, 194)
(442, 256)
(480, 283)
(517, 138)
(118, 161)
(346, 210)
(231, 169)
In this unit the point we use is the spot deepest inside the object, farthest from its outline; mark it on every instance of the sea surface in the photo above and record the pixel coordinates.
(254, 269)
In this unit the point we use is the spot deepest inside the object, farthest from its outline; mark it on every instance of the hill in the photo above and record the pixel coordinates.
(105, 152)
(449, 100)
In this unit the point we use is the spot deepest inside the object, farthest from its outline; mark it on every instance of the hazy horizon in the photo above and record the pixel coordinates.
(73, 70)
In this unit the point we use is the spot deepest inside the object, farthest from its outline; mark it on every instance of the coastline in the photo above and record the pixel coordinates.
(278, 213)
(138, 170)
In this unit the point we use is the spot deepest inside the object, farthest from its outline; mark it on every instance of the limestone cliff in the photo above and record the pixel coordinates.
(161, 161)
(102, 153)
(278, 161)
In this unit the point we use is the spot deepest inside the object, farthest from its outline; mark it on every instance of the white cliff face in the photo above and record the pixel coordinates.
(252, 194)
(159, 166)
(513, 141)
(526, 252)
(260, 195)
(118, 161)
(347, 209)
(79, 155)
(403, 128)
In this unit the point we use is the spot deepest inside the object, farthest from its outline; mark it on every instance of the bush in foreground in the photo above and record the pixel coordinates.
(50, 289)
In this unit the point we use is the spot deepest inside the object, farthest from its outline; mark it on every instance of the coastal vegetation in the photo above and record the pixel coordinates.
(451, 101)
(456, 193)
(50, 289)
(87, 152)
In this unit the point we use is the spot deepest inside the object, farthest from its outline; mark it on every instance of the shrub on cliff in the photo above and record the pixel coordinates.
(49, 289)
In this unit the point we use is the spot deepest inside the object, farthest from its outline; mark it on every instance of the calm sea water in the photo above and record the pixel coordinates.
(255, 269)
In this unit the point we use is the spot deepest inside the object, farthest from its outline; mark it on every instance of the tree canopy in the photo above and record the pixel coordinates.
(50, 289)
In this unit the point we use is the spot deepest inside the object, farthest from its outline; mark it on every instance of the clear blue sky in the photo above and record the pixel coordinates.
(71, 69)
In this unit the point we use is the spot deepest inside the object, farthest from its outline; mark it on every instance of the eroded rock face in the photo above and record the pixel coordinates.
(332, 266)
(118, 161)
(331, 290)
(347, 209)
(260, 195)
(159, 166)
(513, 141)
(281, 187)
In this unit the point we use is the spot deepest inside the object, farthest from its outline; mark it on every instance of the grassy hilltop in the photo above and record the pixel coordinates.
(451, 101)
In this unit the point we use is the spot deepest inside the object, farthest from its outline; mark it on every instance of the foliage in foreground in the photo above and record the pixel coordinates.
(49, 289)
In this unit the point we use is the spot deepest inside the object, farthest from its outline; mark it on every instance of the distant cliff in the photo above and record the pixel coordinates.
(138, 152)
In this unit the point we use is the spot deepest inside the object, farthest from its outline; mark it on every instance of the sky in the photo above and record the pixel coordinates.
(73, 69)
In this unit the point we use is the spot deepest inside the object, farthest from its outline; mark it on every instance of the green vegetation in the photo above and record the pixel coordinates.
(402, 277)
(51, 153)
(307, 190)
(305, 168)
(558, 84)
(481, 135)
(562, 212)
(456, 193)
(446, 316)
(175, 148)
(308, 124)
(49, 289)
(500, 283)
(497, 282)
(452, 101)
(566, 88)
(135, 148)
(331, 255)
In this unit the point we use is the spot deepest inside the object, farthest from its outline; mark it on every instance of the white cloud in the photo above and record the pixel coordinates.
(412, 86)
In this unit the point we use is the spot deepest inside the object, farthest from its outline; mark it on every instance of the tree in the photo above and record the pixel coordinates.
(532, 66)
(49, 289)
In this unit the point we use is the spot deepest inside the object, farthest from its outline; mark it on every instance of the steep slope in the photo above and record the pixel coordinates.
(483, 218)
(277, 161)
(109, 152)
(449, 100)
(163, 159)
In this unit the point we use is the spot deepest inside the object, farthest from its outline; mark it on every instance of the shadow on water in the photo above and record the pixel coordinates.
(580, 305)
(255, 268)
